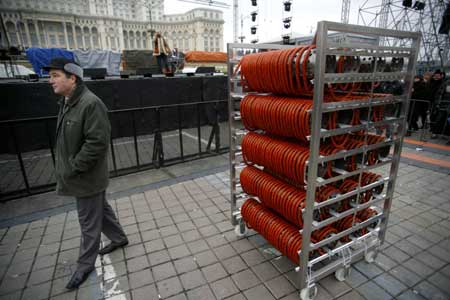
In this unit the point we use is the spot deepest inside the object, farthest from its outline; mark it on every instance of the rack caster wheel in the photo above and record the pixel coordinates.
(308, 293)
(240, 229)
(342, 274)
(370, 257)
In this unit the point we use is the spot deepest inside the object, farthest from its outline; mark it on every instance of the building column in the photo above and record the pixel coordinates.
(101, 42)
(102, 35)
(74, 33)
(47, 44)
(91, 38)
(66, 37)
(27, 32)
(7, 35)
(82, 38)
(121, 44)
(18, 35)
(38, 33)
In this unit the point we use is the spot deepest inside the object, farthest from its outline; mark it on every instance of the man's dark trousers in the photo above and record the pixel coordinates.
(96, 216)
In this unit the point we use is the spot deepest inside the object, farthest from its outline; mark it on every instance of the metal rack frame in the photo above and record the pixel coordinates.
(341, 257)
(307, 276)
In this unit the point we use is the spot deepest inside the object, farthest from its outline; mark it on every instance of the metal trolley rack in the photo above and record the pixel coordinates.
(337, 259)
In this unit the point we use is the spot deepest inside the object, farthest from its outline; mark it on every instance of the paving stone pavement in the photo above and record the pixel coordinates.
(182, 246)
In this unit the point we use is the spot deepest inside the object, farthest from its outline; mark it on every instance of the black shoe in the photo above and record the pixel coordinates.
(78, 278)
(111, 247)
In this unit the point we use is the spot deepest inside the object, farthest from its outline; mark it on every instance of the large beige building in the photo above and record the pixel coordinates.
(108, 24)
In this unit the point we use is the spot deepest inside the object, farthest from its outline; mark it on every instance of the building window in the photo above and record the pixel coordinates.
(62, 41)
(52, 39)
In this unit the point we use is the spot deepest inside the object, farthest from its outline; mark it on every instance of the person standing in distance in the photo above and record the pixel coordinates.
(82, 140)
(161, 50)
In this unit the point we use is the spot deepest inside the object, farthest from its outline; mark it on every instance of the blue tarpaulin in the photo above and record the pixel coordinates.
(41, 57)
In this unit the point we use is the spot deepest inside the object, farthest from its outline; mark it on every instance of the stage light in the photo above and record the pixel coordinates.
(407, 3)
(254, 14)
(287, 22)
(419, 5)
(287, 5)
(254, 3)
(253, 29)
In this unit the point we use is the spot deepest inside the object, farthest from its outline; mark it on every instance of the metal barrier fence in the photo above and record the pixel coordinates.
(442, 116)
(430, 123)
(413, 114)
(127, 154)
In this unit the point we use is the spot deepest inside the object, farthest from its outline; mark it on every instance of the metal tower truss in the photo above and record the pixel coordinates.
(392, 14)
(345, 11)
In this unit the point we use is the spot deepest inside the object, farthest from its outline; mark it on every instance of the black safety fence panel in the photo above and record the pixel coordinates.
(36, 99)
(26, 171)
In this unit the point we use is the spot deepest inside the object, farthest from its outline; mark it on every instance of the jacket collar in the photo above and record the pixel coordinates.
(76, 95)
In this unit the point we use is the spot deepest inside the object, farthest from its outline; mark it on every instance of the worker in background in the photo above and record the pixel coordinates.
(82, 139)
(427, 76)
(161, 50)
(441, 105)
(419, 105)
(435, 84)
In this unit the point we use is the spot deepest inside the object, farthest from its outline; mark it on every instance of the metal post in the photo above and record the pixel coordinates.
(180, 132)
(232, 137)
(319, 71)
(411, 113)
(215, 131)
(409, 79)
(113, 154)
(135, 140)
(217, 127)
(19, 156)
(50, 143)
(158, 151)
(199, 132)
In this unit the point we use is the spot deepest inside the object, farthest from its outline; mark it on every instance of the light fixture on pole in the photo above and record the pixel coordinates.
(419, 5)
(287, 5)
(287, 22)
(407, 3)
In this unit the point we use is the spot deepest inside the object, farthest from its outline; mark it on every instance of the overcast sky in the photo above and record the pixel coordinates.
(305, 15)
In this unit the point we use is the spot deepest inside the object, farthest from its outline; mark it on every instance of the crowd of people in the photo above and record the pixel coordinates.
(430, 103)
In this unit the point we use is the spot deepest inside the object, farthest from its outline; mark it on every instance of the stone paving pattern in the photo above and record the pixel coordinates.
(182, 246)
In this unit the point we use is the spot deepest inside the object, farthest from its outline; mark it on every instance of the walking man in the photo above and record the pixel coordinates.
(82, 139)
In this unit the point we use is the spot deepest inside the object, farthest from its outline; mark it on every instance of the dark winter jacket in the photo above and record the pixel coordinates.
(82, 141)
(420, 91)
